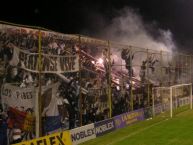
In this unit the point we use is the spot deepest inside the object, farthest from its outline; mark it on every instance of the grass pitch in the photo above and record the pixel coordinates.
(160, 130)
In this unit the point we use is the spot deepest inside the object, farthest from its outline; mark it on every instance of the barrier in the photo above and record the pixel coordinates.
(62, 138)
(104, 127)
(128, 118)
(82, 134)
(90, 131)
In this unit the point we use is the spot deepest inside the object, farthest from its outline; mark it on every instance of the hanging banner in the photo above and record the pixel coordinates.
(50, 63)
(58, 52)
(62, 138)
(17, 97)
(24, 98)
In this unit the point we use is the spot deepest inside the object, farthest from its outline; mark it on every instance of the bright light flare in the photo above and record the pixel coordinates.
(127, 86)
(133, 82)
(100, 61)
(117, 81)
(93, 62)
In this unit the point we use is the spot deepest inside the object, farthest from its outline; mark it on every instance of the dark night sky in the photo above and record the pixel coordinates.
(72, 16)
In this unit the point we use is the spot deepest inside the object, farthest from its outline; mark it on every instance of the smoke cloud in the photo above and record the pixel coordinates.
(129, 28)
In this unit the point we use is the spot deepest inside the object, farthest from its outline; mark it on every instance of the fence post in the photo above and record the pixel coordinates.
(153, 105)
(39, 99)
(109, 78)
(80, 80)
(191, 96)
(171, 102)
(161, 67)
(130, 77)
(191, 82)
(148, 95)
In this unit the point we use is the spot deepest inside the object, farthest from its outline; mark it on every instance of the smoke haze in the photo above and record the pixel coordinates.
(129, 28)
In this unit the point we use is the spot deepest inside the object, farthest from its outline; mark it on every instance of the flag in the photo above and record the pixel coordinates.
(29, 123)
(24, 121)
(16, 117)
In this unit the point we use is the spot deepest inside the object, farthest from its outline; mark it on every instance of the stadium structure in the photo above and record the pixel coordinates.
(53, 82)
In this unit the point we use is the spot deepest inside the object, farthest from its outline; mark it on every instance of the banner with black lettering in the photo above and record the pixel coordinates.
(104, 127)
(50, 63)
(20, 46)
(24, 98)
(17, 97)
(61, 138)
(82, 134)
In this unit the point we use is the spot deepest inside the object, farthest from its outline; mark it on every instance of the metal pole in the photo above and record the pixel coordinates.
(130, 77)
(169, 68)
(161, 67)
(80, 82)
(148, 95)
(190, 67)
(171, 107)
(109, 85)
(39, 99)
(179, 69)
(191, 82)
(161, 76)
(123, 90)
(153, 105)
(187, 78)
(191, 96)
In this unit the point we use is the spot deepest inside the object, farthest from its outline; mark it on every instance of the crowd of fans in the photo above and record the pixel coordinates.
(74, 105)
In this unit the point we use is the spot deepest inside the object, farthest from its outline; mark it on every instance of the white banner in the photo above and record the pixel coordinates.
(50, 63)
(16, 97)
(82, 134)
(24, 98)
(49, 100)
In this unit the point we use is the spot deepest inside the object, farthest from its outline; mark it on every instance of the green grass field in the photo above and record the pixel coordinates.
(157, 131)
